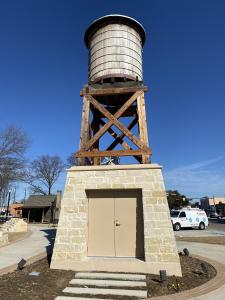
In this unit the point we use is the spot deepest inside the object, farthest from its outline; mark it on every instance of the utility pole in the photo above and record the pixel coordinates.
(7, 211)
(214, 203)
(14, 195)
(25, 194)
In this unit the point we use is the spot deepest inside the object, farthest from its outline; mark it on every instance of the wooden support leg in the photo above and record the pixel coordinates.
(95, 128)
(143, 132)
(85, 127)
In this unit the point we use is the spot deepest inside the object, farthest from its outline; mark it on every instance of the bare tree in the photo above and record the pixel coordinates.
(71, 160)
(13, 144)
(43, 174)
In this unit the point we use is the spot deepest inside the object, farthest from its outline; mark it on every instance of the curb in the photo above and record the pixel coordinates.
(29, 261)
(211, 285)
(28, 233)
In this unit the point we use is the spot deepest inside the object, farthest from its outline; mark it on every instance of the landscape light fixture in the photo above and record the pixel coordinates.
(186, 252)
(21, 264)
(163, 276)
(204, 268)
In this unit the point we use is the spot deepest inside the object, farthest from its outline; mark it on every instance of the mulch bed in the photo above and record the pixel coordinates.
(20, 285)
(194, 274)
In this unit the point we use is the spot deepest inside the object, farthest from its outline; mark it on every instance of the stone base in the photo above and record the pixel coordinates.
(70, 249)
(118, 265)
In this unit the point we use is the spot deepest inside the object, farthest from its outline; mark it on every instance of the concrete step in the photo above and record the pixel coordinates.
(108, 292)
(77, 298)
(117, 276)
(112, 283)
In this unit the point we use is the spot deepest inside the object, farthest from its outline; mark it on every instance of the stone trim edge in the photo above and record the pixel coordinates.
(114, 167)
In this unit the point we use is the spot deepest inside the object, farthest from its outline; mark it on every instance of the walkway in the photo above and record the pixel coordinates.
(210, 251)
(36, 244)
(214, 252)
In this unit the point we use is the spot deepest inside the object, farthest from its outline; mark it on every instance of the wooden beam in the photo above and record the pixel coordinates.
(120, 137)
(95, 128)
(112, 91)
(85, 126)
(142, 124)
(85, 122)
(112, 153)
(131, 111)
(113, 121)
(110, 123)
(116, 136)
(142, 119)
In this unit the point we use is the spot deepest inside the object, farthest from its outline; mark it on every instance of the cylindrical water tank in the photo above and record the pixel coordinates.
(115, 48)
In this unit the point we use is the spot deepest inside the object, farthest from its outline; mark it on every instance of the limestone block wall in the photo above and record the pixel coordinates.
(71, 238)
(14, 225)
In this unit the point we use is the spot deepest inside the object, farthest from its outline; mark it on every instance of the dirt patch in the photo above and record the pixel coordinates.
(219, 240)
(20, 285)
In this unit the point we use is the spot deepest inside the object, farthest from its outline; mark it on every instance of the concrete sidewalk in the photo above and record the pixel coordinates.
(214, 252)
(210, 251)
(34, 245)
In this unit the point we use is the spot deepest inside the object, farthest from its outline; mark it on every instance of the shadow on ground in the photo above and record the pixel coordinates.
(50, 236)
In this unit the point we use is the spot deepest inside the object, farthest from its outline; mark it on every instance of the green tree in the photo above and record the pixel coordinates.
(176, 200)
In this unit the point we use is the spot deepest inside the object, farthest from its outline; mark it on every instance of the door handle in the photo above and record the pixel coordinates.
(117, 223)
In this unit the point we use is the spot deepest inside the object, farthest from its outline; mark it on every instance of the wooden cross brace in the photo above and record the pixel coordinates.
(119, 138)
(88, 144)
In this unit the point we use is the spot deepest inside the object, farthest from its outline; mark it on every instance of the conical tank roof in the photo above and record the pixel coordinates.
(114, 19)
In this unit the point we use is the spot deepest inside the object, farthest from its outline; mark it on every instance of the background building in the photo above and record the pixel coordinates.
(211, 202)
(42, 208)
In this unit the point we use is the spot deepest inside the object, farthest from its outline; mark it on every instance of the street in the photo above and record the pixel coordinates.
(216, 228)
(217, 224)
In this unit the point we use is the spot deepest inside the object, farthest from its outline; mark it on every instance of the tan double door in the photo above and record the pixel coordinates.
(115, 226)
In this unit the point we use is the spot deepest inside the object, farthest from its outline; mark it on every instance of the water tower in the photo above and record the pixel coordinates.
(115, 217)
(115, 92)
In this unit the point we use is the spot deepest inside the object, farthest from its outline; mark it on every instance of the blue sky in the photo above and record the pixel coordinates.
(43, 66)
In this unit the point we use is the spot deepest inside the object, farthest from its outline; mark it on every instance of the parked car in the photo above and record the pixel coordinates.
(189, 217)
(213, 214)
